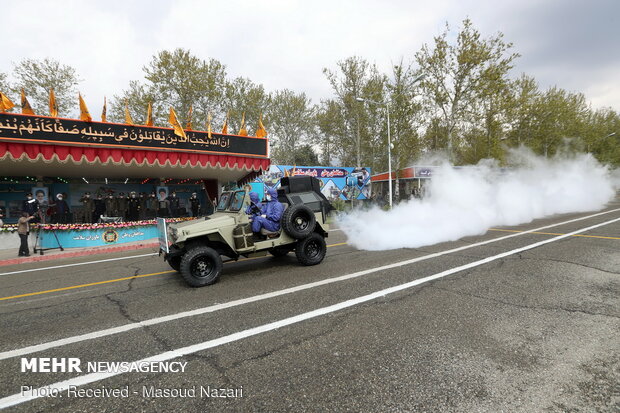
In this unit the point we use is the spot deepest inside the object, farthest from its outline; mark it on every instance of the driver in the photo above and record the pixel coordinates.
(255, 207)
(271, 213)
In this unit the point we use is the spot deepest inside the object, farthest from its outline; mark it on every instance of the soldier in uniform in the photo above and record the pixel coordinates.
(133, 208)
(99, 208)
(110, 206)
(87, 208)
(121, 205)
(174, 204)
(152, 206)
(31, 206)
(194, 204)
(142, 198)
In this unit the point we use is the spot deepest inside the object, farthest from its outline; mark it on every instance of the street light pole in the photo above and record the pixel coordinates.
(387, 109)
(389, 136)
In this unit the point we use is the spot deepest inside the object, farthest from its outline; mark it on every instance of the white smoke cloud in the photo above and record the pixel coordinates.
(469, 201)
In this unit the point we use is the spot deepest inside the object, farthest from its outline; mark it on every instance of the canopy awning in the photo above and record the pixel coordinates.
(43, 146)
(69, 161)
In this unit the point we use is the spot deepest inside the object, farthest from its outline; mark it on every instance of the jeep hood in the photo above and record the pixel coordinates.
(202, 226)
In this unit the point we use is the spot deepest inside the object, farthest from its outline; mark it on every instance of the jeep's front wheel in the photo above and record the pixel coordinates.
(201, 266)
(311, 250)
(175, 263)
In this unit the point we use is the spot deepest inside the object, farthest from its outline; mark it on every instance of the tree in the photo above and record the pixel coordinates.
(459, 74)
(305, 156)
(524, 93)
(404, 115)
(291, 124)
(244, 96)
(37, 77)
(4, 84)
(177, 79)
(351, 127)
(331, 122)
(602, 136)
(138, 97)
(558, 114)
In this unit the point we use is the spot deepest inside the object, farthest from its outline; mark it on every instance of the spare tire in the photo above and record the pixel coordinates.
(298, 221)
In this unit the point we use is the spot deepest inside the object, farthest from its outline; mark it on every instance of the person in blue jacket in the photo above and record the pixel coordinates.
(271, 213)
(255, 208)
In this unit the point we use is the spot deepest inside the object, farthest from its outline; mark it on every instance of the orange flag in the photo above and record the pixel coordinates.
(174, 121)
(84, 115)
(243, 131)
(225, 127)
(5, 103)
(149, 115)
(104, 112)
(189, 118)
(53, 105)
(261, 132)
(26, 108)
(128, 119)
(209, 125)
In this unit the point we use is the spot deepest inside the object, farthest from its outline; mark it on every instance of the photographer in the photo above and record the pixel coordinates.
(23, 231)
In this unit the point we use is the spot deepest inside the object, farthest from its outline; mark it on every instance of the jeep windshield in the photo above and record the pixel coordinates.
(224, 201)
(231, 201)
(237, 201)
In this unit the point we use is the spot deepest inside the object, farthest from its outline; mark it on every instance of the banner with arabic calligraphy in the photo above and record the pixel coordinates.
(46, 130)
(336, 182)
(97, 237)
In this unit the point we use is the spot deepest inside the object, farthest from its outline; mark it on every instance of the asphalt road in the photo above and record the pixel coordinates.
(508, 321)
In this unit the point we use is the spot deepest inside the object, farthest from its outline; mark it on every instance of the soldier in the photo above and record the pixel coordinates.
(174, 204)
(133, 208)
(194, 204)
(110, 206)
(142, 198)
(152, 205)
(99, 208)
(121, 205)
(87, 208)
(31, 206)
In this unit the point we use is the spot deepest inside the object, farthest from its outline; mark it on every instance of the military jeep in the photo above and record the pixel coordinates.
(195, 248)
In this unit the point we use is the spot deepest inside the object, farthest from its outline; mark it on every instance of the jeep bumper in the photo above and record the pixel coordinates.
(174, 252)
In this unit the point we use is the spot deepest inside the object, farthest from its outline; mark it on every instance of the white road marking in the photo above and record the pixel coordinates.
(79, 263)
(199, 311)
(180, 352)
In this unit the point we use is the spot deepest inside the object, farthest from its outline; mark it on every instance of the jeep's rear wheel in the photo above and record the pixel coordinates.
(298, 221)
(201, 266)
(311, 250)
(175, 263)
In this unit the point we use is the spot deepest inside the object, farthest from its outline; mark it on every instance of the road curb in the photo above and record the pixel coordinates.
(94, 251)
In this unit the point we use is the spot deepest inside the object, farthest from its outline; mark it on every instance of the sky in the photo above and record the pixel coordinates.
(286, 44)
